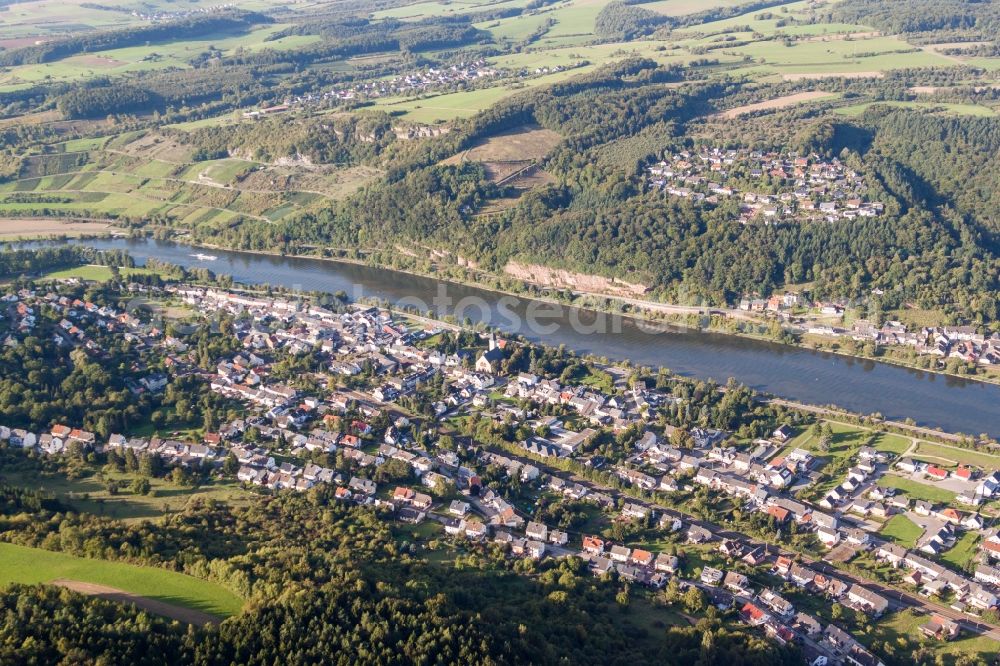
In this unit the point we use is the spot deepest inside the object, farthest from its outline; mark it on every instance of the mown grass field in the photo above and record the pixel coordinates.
(964, 456)
(19, 564)
(917, 490)
(963, 551)
(901, 530)
(93, 273)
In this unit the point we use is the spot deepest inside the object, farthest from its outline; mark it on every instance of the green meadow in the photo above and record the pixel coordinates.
(19, 564)
(902, 530)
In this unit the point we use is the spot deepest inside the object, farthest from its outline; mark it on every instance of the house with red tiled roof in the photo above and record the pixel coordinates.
(964, 472)
(61, 431)
(593, 545)
(949, 514)
(779, 513)
(754, 615)
(936, 472)
(643, 558)
(992, 549)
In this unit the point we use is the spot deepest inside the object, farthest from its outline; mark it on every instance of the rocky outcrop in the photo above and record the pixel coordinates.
(563, 279)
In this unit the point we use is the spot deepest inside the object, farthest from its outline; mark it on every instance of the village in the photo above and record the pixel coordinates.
(419, 80)
(771, 187)
(446, 78)
(824, 320)
(357, 422)
(457, 76)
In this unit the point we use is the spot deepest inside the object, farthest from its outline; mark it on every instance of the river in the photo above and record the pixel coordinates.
(793, 373)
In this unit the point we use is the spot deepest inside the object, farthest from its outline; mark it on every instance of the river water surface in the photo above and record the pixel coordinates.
(802, 375)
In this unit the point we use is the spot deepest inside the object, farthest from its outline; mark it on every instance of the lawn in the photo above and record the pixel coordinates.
(843, 442)
(902, 530)
(19, 564)
(963, 551)
(93, 273)
(892, 627)
(967, 456)
(917, 490)
(889, 443)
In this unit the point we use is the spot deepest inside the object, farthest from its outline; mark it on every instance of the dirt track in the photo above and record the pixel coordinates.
(171, 611)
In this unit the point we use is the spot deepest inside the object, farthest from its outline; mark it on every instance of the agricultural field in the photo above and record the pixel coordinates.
(35, 228)
(431, 108)
(529, 142)
(779, 103)
(19, 564)
(142, 175)
(159, 56)
(682, 7)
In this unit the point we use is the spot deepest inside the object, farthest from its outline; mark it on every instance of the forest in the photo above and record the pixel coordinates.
(973, 19)
(326, 579)
(936, 246)
(229, 21)
(621, 20)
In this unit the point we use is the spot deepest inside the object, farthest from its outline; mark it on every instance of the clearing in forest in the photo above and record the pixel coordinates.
(199, 600)
(778, 103)
(524, 143)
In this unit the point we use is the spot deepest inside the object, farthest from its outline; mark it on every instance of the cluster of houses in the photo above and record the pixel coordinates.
(76, 316)
(368, 342)
(787, 187)
(159, 16)
(780, 620)
(965, 343)
(847, 517)
(54, 442)
(616, 411)
(933, 579)
(19, 312)
(421, 80)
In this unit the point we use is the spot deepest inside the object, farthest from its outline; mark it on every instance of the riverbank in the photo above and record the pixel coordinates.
(786, 371)
(647, 313)
(868, 421)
